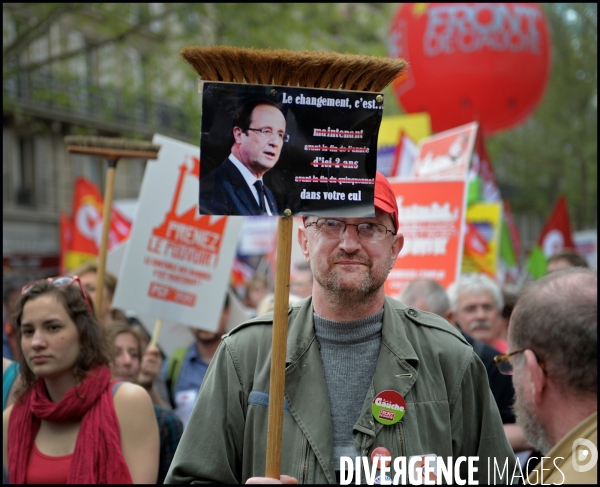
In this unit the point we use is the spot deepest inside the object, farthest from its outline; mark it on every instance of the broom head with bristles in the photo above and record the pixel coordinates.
(111, 147)
(282, 67)
(110, 143)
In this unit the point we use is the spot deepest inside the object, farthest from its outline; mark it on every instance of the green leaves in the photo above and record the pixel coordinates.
(556, 149)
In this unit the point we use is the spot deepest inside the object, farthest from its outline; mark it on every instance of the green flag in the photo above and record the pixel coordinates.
(474, 190)
(537, 262)
(507, 251)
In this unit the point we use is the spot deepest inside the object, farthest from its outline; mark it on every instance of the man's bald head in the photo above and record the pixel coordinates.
(557, 318)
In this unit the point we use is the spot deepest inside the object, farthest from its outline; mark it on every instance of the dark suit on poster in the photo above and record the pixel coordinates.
(224, 191)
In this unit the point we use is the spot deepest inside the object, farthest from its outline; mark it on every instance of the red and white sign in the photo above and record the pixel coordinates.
(446, 155)
(430, 214)
(177, 263)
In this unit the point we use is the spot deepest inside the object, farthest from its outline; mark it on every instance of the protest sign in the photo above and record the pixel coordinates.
(430, 215)
(394, 133)
(319, 148)
(257, 235)
(486, 219)
(177, 264)
(446, 155)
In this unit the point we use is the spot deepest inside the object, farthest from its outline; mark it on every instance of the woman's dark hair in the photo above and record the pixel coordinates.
(94, 347)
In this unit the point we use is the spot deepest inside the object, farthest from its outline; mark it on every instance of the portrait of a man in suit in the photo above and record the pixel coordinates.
(236, 187)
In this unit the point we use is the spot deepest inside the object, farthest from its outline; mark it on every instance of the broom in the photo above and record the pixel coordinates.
(112, 149)
(306, 69)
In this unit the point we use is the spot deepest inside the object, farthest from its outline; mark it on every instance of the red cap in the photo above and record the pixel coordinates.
(385, 199)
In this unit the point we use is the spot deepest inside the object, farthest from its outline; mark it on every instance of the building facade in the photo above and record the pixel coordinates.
(73, 76)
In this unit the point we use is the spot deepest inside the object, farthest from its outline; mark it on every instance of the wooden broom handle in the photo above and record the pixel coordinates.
(157, 327)
(279, 346)
(108, 197)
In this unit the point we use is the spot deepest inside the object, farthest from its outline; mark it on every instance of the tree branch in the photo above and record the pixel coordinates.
(95, 45)
(21, 42)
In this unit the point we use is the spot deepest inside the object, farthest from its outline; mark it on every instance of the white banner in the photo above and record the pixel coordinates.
(177, 263)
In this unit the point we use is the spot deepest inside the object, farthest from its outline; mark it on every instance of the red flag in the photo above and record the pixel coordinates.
(556, 233)
(87, 224)
(483, 167)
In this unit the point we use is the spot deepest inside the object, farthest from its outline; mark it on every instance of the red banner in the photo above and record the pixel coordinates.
(431, 214)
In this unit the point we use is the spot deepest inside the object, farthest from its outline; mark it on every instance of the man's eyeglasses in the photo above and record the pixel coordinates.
(331, 228)
(268, 133)
(61, 281)
(504, 365)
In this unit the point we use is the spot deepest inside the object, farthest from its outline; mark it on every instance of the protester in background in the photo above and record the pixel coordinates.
(476, 302)
(553, 343)
(11, 290)
(301, 280)
(69, 424)
(187, 366)
(565, 258)
(149, 367)
(87, 273)
(429, 295)
(346, 343)
(126, 366)
(256, 289)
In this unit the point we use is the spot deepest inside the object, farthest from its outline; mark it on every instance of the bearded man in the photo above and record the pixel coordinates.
(553, 358)
(365, 374)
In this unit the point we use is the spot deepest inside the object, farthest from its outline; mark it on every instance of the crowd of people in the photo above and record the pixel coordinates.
(479, 370)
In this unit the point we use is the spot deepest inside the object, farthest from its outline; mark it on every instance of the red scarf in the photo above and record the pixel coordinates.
(98, 458)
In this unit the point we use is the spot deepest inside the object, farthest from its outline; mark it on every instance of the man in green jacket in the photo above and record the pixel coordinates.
(363, 372)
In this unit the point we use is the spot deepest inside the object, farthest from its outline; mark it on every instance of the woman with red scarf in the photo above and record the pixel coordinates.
(67, 424)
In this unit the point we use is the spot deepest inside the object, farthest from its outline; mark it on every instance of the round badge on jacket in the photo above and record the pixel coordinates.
(388, 407)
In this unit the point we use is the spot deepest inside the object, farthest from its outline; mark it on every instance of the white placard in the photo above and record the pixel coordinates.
(257, 235)
(177, 263)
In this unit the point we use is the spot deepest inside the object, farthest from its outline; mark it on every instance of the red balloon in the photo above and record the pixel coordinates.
(484, 62)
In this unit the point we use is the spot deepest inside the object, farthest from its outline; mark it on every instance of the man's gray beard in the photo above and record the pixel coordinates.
(367, 287)
(533, 429)
(351, 296)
